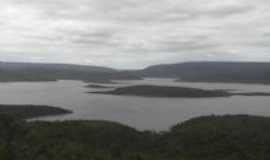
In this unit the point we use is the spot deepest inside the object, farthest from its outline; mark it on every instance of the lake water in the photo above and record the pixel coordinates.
(139, 112)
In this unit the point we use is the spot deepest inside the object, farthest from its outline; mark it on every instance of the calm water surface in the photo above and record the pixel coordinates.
(139, 112)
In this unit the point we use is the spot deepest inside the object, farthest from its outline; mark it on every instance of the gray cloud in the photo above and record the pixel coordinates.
(133, 33)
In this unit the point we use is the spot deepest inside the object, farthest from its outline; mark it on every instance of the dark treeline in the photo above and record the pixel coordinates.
(205, 138)
(98, 86)
(165, 91)
(173, 92)
(32, 111)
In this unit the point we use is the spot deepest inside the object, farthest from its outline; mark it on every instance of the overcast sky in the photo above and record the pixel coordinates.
(134, 33)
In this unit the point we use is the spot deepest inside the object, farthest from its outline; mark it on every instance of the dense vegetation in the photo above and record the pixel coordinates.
(165, 91)
(31, 111)
(205, 138)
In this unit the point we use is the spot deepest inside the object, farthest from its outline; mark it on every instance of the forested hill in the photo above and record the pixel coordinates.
(238, 137)
(52, 72)
(246, 72)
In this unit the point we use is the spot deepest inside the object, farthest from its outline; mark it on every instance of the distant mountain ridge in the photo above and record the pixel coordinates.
(10, 71)
(244, 72)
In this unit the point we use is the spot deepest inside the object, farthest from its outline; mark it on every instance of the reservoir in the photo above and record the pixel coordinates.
(140, 112)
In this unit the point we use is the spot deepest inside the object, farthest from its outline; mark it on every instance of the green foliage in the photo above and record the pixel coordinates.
(226, 137)
(31, 111)
(204, 138)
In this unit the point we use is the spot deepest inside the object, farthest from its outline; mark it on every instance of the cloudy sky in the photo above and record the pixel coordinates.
(134, 33)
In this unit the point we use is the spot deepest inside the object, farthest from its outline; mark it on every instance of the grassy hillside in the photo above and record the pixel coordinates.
(205, 138)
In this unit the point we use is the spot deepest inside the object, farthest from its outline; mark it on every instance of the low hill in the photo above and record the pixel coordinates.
(165, 91)
(52, 72)
(243, 72)
(173, 92)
